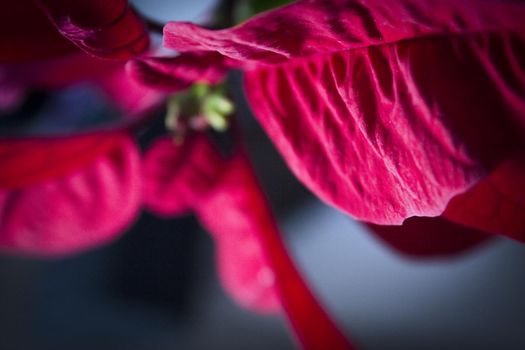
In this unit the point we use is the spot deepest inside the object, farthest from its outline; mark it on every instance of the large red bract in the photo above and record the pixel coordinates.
(386, 110)
(59, 214)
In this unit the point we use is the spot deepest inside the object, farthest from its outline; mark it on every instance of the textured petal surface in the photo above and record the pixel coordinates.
(391, 132)
(237, 215)
(103, 28)
(28, 161)
(429, 237)
(496, 204)
(74, 212)
(312, 27)
(385, 110)
(180, 72)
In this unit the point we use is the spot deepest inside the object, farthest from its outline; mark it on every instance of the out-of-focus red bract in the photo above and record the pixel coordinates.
(176, 177)
(31, 160)
(76, 211)
(252, 260)
(26, 34)
(180, 72)
(178, 180)
(102, 28)
(238, 216)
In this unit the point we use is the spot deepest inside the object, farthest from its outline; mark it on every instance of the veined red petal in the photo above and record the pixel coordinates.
(130, 96)
(25, 162)
(74, 212)
(390, 132)
(27, 35)
(180, 72)
(103, 28)
(312, 27)
(385, 109)
(437, 237)
(496, 204)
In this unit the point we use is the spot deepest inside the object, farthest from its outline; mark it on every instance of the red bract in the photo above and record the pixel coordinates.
(253, 263)
(63, 195)
(97, 201)
(75, 210)
(384, 109)
(29, 161)
(26, 34)
(32, 30)
(133, 99)
(238, 216)
(189, 68)
(102, 28)
(496, 204)
(36, 55)
(178, 180)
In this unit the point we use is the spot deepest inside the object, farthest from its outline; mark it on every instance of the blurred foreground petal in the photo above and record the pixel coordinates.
(76, 211)
(102, 28)
(180, 72)
(237, 215)
(176, 177)
(27, 161)
(27, 35)
(253, 263)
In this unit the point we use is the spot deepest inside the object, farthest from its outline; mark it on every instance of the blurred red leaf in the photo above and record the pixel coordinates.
(180, 72)
(27, 161)
(102, 28)
(253, 263)
(237, 215)
(27, 35)
(75, 211)
(176, 177)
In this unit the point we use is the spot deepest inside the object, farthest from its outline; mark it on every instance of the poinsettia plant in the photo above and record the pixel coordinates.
(407, 115)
